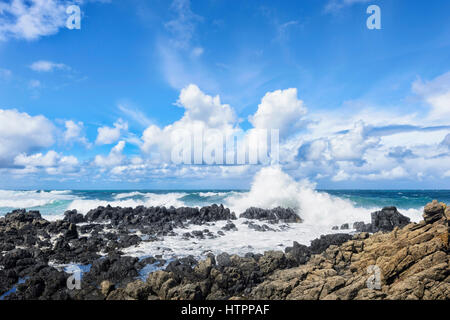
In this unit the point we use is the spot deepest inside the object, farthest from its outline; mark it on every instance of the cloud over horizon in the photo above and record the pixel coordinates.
(332, 147)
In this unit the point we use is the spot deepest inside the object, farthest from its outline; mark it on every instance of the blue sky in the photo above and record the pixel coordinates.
(93, 108)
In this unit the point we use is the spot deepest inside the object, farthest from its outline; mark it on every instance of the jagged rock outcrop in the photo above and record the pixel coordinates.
(407, 263)
(74, 217)
(159, 217)
(275, 215)
(434, 211)
(384, 220)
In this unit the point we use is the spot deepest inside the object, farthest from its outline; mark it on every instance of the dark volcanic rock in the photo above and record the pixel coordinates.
(22, 216)
(301, 253)
(272, 215)
(345, 226)
(229, 226)
(387, 219)
(182, 268)
(384, 220)
(117, 269)
(71, 232)
(223, 260)
(46, 284)
(260, 228)
(360, 226)
(321, 244)
(158, 221)
(73, 216)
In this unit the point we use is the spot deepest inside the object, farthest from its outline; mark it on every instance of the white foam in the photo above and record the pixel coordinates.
(233, 242)
(272, 187)
(214, 194)
(414, 214)
(31, 199)
(60, 191)
(129, 195)
(151, 199)
(53, 217)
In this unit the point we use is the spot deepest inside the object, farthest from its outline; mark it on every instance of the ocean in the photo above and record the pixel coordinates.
(53, 203)
(320, 209)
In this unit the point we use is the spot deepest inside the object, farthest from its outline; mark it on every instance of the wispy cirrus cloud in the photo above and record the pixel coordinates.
(436, 93)
(179, 48)
(184, 24)
(48, 66)
(5, 73)
(135, 114)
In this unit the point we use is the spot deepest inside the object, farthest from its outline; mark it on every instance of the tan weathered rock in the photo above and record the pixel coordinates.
(271, 261)
(204, 267)
(119, 294)
(433, 211)
(138, 290)
(189, 291)
(106, 287)
(160, 282)
(413, 263)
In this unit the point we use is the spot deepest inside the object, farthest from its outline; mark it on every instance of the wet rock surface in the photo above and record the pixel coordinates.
(412, 259)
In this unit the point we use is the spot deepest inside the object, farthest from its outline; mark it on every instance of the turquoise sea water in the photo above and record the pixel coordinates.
(55, 202)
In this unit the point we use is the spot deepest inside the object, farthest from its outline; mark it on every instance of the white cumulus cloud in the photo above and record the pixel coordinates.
(22, 133)
(114, 158)
(52, 163)
(280, 109)
(74, 133)
(202, 112)
(109, 135)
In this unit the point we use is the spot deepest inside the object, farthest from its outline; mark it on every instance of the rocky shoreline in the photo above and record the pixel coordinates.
(403, 260)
